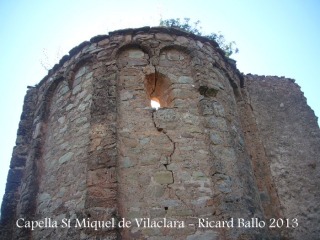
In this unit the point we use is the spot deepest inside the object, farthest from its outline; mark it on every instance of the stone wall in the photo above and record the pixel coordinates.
(91, 147)
(291, 140)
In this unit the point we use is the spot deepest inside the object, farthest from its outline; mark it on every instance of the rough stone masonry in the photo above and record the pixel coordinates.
(223, 147)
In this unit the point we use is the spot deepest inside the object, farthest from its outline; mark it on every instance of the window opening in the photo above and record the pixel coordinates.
(158, 91)
(155, 103)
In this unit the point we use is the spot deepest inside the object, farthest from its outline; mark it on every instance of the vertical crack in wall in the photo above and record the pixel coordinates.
(170, 157)
(166, 134)
(154, 83)
(159, 129)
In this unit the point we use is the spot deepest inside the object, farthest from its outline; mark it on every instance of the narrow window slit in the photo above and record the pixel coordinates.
(155, 103)
(158, 92)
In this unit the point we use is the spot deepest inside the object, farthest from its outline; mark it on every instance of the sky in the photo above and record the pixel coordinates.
(274, 38)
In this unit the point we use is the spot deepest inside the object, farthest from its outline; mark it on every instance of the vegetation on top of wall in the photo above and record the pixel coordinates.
(229, 48)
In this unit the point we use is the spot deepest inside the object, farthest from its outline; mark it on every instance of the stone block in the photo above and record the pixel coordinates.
(156, 190)
(215, 138)
(216, 123)
(66, 157)
(163, 177)
(185, 80)
(223, 182)
(198, 175)
(69, 107)
(126, 162)
(149, 159)
(76, 89)
(164, 37)
(137, 62)
(135, 53)
(182, 40)
(174, 55)
(183, 93)
(80, 72)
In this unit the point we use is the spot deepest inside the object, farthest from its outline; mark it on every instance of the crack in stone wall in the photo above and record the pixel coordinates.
(169, 160)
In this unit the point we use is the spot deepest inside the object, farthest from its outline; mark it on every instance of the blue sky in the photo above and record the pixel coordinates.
(274, 37)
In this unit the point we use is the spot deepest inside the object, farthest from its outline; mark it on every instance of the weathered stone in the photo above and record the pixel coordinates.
(216, 123)
(137, 62)
(142, 37)
(223, 182)
(185, 79)
(37, 131)
(164, 37)
(127, 163)
(156, 191)
(81, 120)
(136, 53)
(65, 158)
(175, 56)
(63, 129)
(80, 72)
(218, 109)
(61, 120)
(64, 90)
(76, 89)
(182, 40)
(126, 95)
(69, 107)
(215, 138)
(83, 106)
(163, 177)
(44, 196)
(104, 42)
(197, 175)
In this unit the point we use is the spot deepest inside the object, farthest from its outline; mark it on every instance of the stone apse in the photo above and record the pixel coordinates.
(222, 146)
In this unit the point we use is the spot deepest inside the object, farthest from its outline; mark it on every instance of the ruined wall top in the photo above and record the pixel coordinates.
(106, 47)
